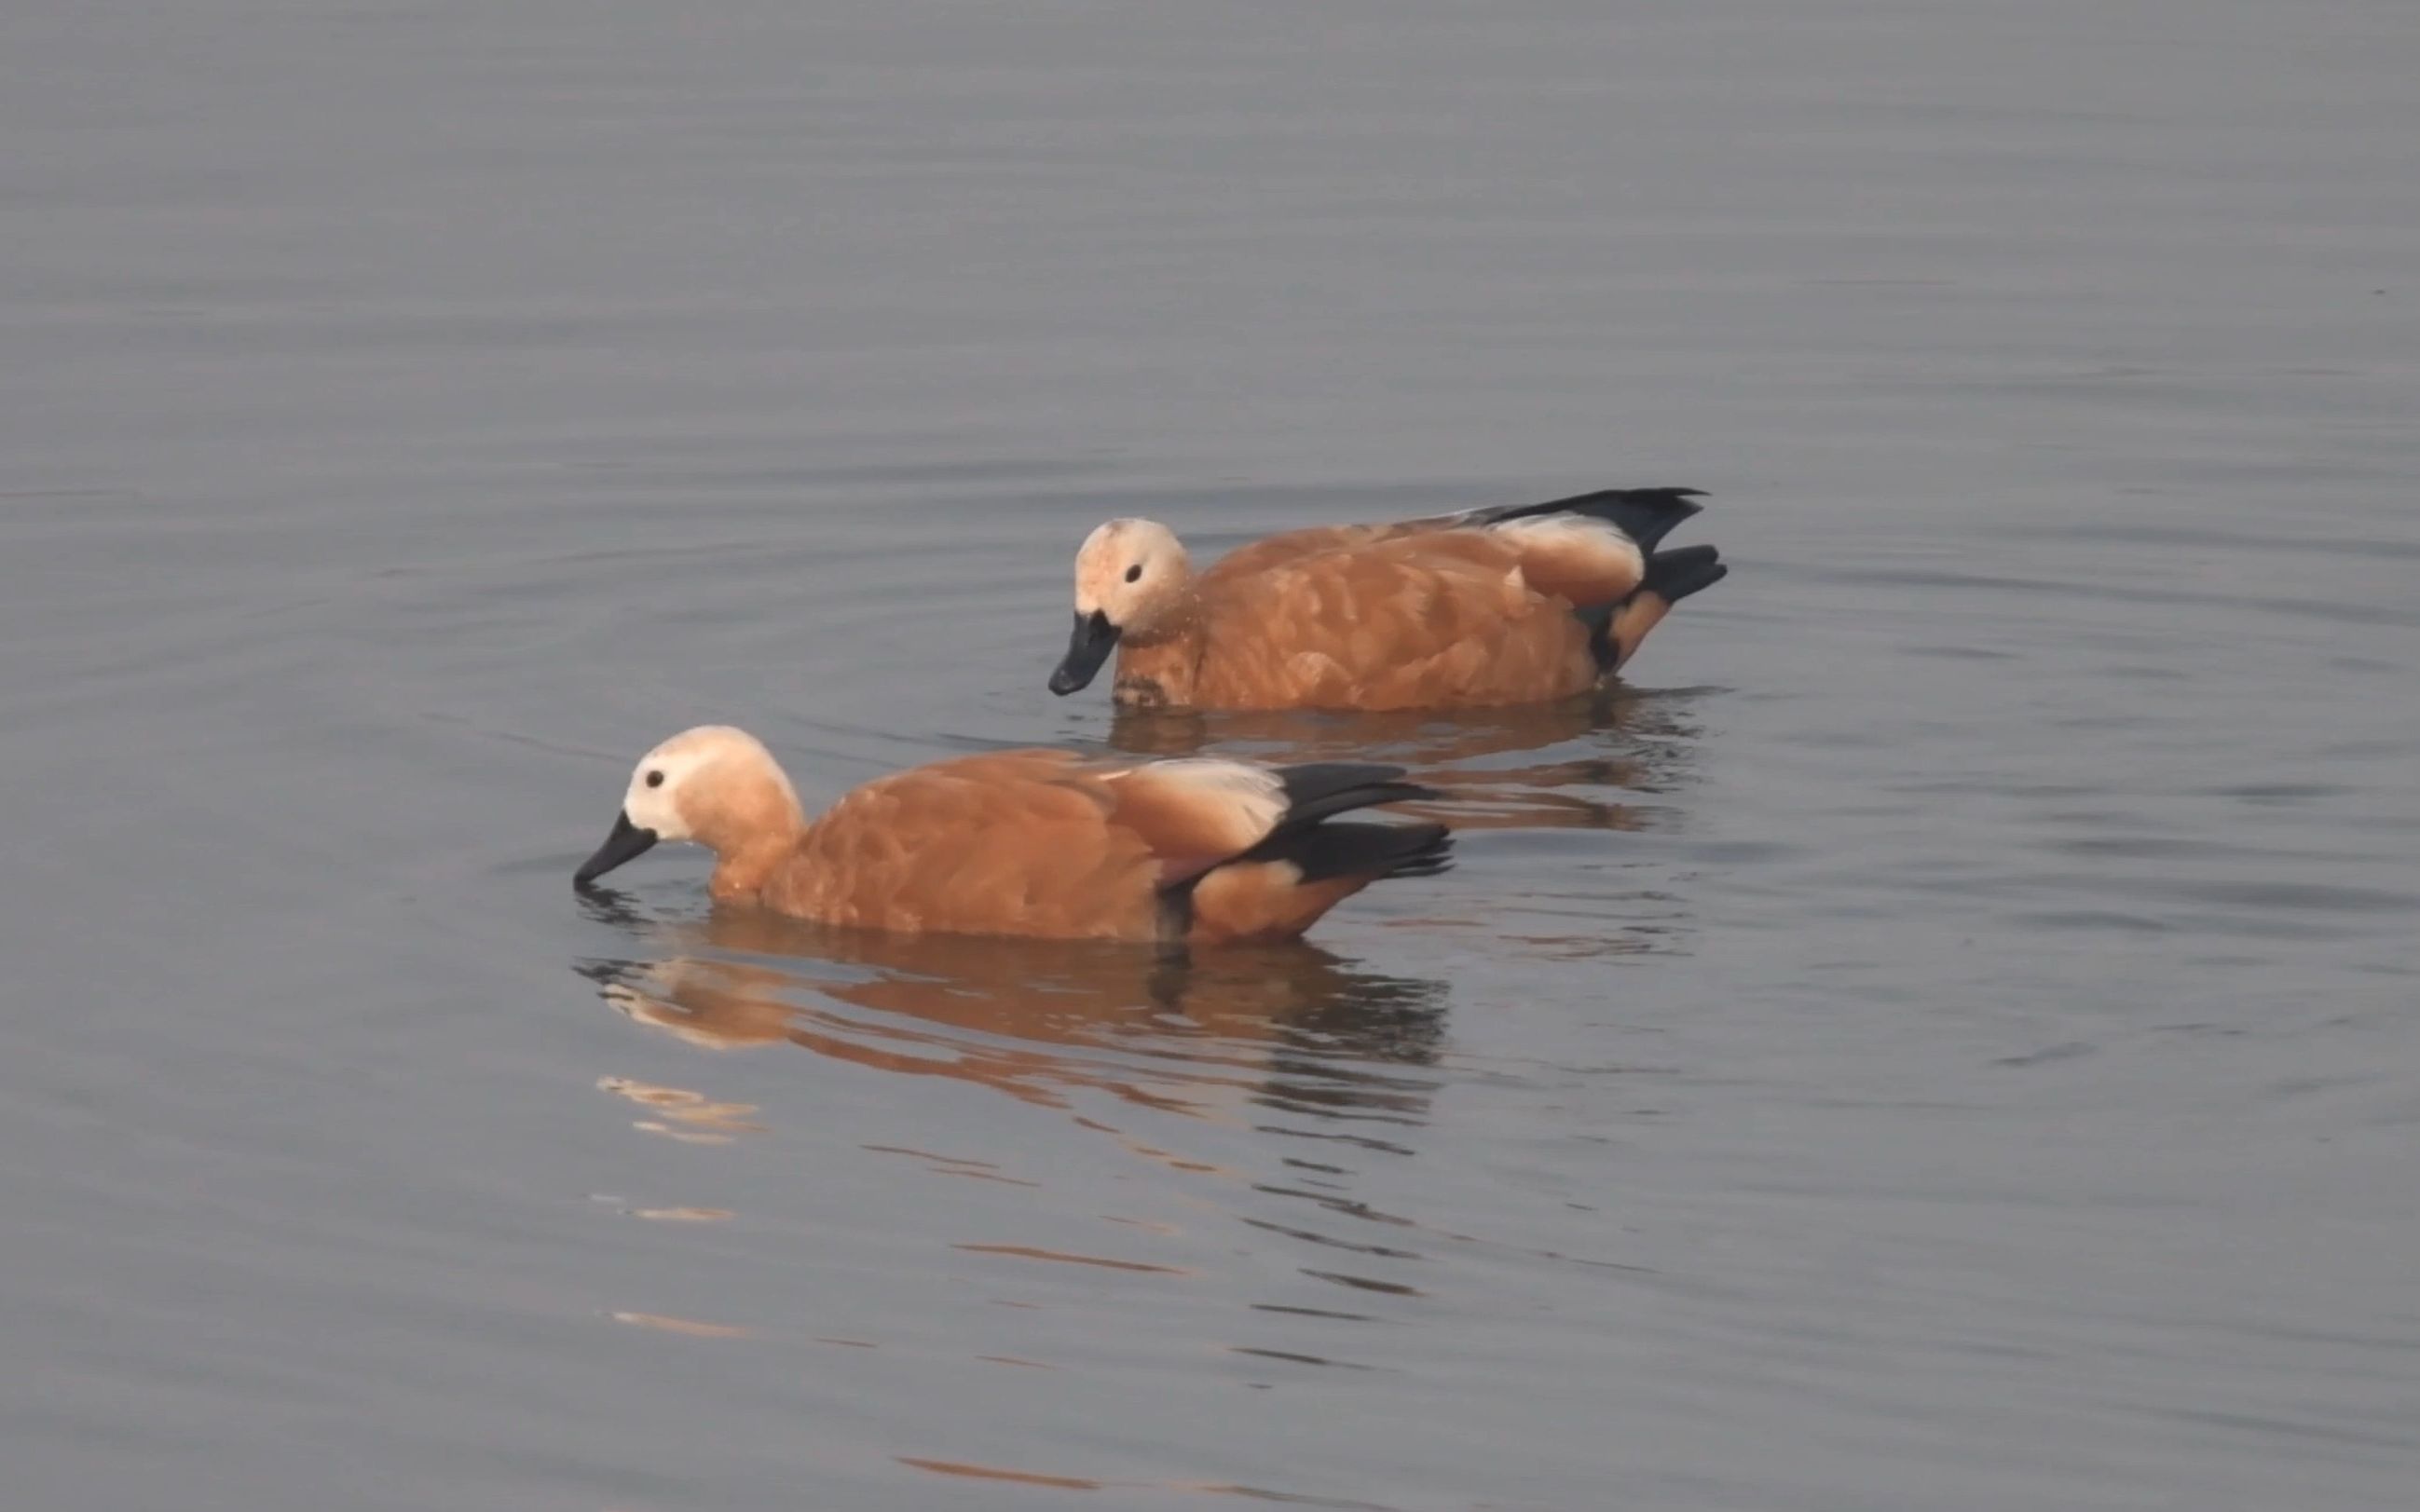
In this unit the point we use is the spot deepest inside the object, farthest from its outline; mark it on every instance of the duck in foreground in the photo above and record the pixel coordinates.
(1513, 604)
(1041, 843)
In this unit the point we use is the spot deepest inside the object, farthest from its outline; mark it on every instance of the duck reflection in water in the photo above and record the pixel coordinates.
(1288, 1027)
(1642, 743)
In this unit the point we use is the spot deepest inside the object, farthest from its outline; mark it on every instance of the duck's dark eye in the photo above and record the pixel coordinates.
(654, 779)
(1134, 572)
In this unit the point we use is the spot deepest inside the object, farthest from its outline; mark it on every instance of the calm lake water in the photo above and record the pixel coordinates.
(1941, 1036)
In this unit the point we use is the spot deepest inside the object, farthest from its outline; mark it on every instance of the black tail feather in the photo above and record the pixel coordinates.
(1644, 515)
(1674, 575)
(1362, 850)
(1682, 571)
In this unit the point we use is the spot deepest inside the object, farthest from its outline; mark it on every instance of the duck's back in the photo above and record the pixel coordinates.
(1248, 561)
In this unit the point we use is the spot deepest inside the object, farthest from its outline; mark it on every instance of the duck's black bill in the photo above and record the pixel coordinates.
(627, 843)
(1094, 639)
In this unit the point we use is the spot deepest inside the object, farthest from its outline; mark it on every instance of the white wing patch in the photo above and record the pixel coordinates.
(1252, 798)
(1589, 538)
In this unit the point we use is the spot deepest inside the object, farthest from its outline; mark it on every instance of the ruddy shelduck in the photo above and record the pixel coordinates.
(1513, 603)
(1043, 844)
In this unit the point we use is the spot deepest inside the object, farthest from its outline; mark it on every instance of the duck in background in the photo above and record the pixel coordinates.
(1504, 605)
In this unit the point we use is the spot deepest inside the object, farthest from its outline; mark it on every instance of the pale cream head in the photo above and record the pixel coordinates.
(684, 788)
(1133, 572)
(715, 785)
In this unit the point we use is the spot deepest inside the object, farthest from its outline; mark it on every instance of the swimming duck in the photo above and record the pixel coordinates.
(1505, 605)
(1043, 844)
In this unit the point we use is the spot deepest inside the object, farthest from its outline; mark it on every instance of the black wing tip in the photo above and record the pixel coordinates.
(1342, 790)
(1658, 493)
(1328, 776)
(1315, 788)
(1392, 790)
(1644, 515)
(1660, 496)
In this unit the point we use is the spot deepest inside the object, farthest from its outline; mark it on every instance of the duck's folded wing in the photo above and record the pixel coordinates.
(1589, 549)
(1417, 620)
(1199, 813)
(1193, 812)
(1011, 842)
(1293, 865)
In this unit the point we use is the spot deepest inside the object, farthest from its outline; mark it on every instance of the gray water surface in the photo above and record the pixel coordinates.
(1940, 1035)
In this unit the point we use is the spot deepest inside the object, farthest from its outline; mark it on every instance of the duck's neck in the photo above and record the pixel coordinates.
(1159, 668)
(742, 873)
